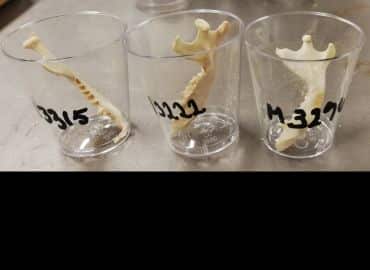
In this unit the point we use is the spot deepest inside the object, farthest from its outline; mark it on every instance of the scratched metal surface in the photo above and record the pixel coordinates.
(26, 143)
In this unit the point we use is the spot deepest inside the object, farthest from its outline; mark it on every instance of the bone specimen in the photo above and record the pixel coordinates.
(314, 75)
(91, 94)
(199, 87)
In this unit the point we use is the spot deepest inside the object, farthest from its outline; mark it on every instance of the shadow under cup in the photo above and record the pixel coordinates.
(78, 81)
(300, 96)
(193, 88)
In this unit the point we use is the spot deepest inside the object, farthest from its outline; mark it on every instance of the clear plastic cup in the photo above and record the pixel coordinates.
(195, 93)
(78, 81)
(300, 99)
(162, 6)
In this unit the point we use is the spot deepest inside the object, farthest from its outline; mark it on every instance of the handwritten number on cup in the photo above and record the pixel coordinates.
(45, 114)
(183, 113)
(61, 124)
(170, 113)
(161, 111)
(79, 115)
(51, 116)
(331, 106)
(66, 118)
(300, 116)
(166, 111)
(193, 104)
(341, 105)
(316, 121)
(271, 112)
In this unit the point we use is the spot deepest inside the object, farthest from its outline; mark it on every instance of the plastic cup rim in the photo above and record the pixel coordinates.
(359, 46)
(79, 13)
(194, 11)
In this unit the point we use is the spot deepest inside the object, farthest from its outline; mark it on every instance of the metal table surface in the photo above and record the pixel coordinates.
(27, 144)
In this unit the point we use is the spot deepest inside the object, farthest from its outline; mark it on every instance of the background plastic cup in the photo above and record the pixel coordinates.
(162, 6)
(279, 91)
(165, 76)
(91, 46)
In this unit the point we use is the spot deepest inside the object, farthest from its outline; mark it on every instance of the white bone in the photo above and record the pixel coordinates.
(314, 75)
(200, 85)
(92, 95)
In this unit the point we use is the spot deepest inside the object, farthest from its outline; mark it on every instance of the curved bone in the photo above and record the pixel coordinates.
(199, 87)
(91, 94)
(314, 75)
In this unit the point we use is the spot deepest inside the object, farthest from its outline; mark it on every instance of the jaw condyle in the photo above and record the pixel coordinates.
(313, 72)
(104, 106)
(198, 89)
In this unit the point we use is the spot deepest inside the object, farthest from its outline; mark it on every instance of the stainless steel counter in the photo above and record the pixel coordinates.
(26, 143)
